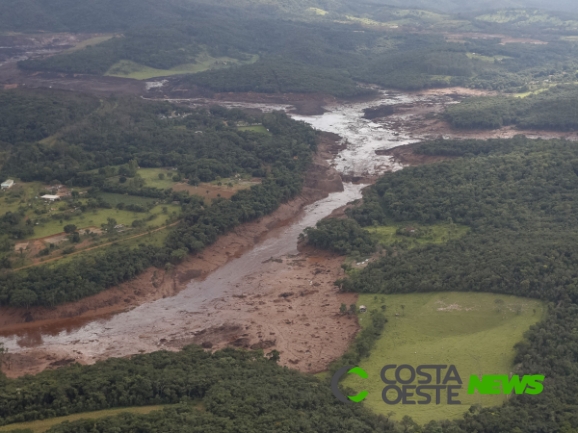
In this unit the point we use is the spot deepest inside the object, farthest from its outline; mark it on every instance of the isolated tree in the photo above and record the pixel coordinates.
(352, 309)
(274, 356)
(69, 228)
(161, 176)
(110, 225)
(178, 255)
(343, 309)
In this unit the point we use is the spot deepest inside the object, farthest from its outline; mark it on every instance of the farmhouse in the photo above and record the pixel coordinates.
(50, 197)
(7, 184)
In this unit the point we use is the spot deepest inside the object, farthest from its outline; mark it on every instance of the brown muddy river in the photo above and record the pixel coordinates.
(142, 328)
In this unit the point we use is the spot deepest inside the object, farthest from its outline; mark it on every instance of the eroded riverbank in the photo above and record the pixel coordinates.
(252, 288)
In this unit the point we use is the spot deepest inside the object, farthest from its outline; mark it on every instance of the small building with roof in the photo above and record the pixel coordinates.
(7, 184)
(50, 197)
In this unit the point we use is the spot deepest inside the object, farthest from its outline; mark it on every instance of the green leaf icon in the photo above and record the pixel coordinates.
(363, 394)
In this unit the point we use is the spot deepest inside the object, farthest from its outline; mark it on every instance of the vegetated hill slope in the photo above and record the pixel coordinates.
(519, 199)
(92, 149)
(458, 6)
(120, 15)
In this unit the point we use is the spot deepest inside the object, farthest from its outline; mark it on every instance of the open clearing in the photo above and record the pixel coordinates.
(130, 69)
(476, 332)
(89, 42)
(413, 235)
(43, 425)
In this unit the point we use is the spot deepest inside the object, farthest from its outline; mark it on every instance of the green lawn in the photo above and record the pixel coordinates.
(18, 195)
(151, 177)
(44, 425)
(255, 128)
(476, 332)
(130, 69)
(434, 234)
(98, 217)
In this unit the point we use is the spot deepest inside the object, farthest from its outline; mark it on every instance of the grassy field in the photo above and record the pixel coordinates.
(476, 332)
(44, 425)
(151, 177)
(254, 128)
(435, 234)
(96, 217)
(17, 196)
(129, 69)
(486, 58)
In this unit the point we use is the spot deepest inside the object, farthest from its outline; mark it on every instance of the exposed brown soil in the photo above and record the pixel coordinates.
(406, 155)
(211, 192)
(424, 120)
(295, 310)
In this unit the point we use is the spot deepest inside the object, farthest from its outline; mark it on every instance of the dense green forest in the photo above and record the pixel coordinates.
(202, 145)
(556, 108)
(235, 390)
(277, 76)
(519, 199)
(342, 236)
(306, 54)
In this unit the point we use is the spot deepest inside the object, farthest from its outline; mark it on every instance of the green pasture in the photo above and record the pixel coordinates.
(43, 425)
(97, 217)
(151, 177)
(476, 332)
(115, 199)
(434, 234)
(17, 196)
(254, 128)
(130, 69)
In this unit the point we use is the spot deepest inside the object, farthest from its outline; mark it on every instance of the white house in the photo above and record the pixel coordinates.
(7, 184)
(50, 197)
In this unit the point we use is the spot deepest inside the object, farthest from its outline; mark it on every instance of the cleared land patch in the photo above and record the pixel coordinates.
(130, 69)
(413, 235)
(476, 332)
(254, 128)
(45, 424)
(225, 188)
(89, 42)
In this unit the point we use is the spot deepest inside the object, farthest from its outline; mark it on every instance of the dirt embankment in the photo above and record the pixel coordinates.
(154, 283)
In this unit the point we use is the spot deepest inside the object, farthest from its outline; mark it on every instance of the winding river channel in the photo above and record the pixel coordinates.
(141, 329)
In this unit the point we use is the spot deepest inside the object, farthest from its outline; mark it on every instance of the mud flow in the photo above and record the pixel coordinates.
(254, 288)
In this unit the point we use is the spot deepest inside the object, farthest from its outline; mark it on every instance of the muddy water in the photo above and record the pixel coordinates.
(143, 328)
